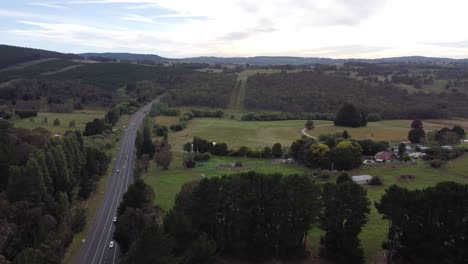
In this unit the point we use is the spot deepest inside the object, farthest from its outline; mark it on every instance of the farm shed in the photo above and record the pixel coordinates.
(362, 179)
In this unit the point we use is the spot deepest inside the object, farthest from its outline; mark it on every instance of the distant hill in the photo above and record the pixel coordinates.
(11, 55)
(124, 56)
(266, 60)
(261, 60)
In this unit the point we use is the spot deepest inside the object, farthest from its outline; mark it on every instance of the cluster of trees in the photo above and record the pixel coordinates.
(332, 151)
(221, 149)
(25, 113)
(160, 109)
(426, 226)
(236, 216)
(271, 116)
(349, 116)
(12, 55)
(114, 114)
(204, 89)
(447, 136)
(60, 96)
(41, 178)
(310, 91)
(147, 149)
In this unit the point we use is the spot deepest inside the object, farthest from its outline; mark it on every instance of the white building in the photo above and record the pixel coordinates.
(362, 179)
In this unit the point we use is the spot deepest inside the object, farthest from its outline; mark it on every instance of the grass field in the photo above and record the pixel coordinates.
(80, 117)
(259, 134)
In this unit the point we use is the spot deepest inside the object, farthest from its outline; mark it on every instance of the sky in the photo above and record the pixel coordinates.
(187, 28)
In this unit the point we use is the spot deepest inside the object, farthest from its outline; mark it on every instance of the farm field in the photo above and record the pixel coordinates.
(80, 117)
(167, 183)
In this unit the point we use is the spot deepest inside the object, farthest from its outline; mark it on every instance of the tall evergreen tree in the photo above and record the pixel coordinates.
(346, 211)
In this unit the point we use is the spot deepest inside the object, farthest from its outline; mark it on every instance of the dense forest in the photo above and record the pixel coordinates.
(42, 179)
(316, 92)
(12, 55)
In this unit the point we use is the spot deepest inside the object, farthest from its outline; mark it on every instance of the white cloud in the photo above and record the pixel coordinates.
(338, 28)
(51, 5)
(138, 18)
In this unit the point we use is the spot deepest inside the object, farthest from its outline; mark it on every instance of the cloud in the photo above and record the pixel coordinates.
(138, 18)
(453, 44)
(50, 5)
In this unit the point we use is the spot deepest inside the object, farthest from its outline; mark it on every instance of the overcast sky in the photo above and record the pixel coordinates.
(183, 28)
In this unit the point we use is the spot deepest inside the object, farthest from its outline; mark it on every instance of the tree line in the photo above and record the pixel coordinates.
(325, 93)
(251, 216)
(42, 181)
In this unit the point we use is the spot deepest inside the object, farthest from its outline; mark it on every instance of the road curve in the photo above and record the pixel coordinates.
(95, 248)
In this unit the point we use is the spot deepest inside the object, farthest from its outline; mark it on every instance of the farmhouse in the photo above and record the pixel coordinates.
(362, 179)
(383, 156)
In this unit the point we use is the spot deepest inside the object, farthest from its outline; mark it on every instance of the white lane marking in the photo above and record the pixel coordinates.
(102, 211)
(116, 182)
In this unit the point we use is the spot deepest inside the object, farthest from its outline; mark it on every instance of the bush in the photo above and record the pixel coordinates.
(376, 181)
(202, 156)
(374, 117)
(325, 175)
(56, 122)
(344, 177)
(436, 163)
(24, 113)
(189, 162)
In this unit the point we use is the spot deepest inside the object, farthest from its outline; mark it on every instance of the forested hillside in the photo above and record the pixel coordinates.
(316, 92)
(11, 55)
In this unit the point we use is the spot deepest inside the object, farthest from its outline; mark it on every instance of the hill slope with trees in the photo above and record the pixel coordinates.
(11, 55)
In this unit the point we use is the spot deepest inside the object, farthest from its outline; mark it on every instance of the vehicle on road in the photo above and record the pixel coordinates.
(111, 244)
(115, 219)
(118, 170)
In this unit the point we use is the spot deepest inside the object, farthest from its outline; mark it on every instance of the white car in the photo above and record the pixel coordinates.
(115, 219)
(118, 170)
(111, 244)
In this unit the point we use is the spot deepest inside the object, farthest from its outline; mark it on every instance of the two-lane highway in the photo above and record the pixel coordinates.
(96, 247)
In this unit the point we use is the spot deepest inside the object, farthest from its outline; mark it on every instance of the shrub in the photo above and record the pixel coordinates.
(202, 156)
(56, 122)
(24, 113)
(376, 181)
(436, 163)
(189, 162)
(374, 117)
(325, 175)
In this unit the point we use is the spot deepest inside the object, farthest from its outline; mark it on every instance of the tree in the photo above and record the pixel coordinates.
(72, 124)
(426, 226)
(309, 124)
(318, 157)
(416, 134)
(277, 150)
(346, 212)
(401, 151)
(349, 116)
(266, 152)
(346, 135)
(153, 247)
(416, 124)
(459, 131)
(188, 147)
(95, 127)
(163, 154)
(130, 226)
(346, 155)
(147, 145)
(56, 122)
(138, 195)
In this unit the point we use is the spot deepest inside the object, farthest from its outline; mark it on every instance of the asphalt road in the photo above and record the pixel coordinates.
(95, 248)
